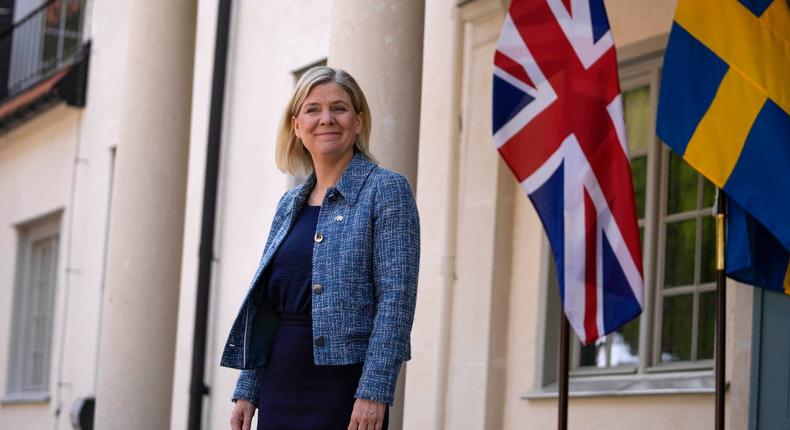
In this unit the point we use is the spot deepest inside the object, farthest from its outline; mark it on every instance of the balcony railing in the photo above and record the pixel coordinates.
(44, 41)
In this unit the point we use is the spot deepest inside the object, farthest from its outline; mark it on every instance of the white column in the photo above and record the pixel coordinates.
(379, 42)
(479, 298)
(140, 306)
(426, 387)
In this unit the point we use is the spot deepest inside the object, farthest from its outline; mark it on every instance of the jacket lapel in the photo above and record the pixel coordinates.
(288, 213)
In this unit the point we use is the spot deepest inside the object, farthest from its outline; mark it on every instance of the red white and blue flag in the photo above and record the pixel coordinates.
(558, 124)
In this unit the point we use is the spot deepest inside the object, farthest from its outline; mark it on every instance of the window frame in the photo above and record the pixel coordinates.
(640, 71)
(645, 72)
(61, 33)
(28, 59)
(28, 234)
(640, 64)
(695, 289)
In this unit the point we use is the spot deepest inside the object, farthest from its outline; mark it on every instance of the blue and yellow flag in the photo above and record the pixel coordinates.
(725, 107)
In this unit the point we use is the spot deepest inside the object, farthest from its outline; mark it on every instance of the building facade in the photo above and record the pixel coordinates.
(100, 220)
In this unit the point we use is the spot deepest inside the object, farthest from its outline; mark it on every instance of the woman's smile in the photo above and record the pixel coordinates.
(329, 133)
(327, 123)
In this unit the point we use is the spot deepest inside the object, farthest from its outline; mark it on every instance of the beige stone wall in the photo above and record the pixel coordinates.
(633, 21)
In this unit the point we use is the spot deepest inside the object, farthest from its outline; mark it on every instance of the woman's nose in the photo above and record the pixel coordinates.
(327, 117)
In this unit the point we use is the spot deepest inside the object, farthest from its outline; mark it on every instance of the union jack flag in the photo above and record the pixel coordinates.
(558, 124)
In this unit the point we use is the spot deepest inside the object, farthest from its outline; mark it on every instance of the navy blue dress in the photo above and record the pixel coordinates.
(295, 393)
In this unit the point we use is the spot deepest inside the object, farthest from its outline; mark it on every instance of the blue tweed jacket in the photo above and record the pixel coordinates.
(365, 262)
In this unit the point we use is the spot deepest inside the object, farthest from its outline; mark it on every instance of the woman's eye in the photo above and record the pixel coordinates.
(340, 109)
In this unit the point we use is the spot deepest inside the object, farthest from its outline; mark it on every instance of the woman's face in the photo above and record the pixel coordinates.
(327, 123)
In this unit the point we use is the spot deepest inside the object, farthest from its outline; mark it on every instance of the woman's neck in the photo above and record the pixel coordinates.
(327, 173)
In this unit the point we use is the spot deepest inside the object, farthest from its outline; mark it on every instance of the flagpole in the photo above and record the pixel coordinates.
(562, 421)
(721, 309)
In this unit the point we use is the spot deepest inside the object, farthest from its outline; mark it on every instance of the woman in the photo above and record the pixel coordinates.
(326, 323)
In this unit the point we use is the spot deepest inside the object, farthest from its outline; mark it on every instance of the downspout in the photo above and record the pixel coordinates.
(448, 272)
(198, 388)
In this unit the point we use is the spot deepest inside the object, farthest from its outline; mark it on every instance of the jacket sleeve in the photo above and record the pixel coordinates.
(248, 386)
(396, 259)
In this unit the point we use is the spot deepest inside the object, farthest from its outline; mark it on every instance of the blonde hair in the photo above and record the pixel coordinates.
(290, 154)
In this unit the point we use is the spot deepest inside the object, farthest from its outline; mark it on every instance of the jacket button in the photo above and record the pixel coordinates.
(339, 218)
(317, 289)
(319, 237)
(320, 341)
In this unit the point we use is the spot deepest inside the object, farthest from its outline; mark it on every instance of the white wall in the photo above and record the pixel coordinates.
(36, 166)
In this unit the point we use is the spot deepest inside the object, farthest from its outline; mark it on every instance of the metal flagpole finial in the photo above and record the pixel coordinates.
(721, 309)
(719, 213)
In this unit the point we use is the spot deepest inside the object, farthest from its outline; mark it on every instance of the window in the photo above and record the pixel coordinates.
(62, 31)
(685, 297)
(47, 35)
(36, 277)
(676, 228)
(297, 74)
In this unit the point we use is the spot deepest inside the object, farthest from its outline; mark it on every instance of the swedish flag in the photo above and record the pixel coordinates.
(725, 107)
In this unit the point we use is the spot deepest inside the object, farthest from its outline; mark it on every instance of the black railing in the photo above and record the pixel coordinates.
(41, 43)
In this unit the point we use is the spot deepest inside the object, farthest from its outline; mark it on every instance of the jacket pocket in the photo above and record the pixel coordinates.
(358, 323)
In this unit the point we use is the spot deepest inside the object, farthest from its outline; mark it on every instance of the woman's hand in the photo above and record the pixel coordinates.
(367, 415)
(241, 417)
